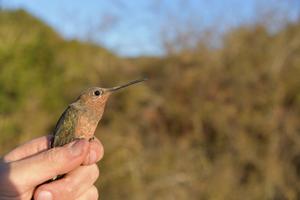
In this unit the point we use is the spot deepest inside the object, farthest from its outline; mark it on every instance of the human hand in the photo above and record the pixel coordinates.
(25, 170)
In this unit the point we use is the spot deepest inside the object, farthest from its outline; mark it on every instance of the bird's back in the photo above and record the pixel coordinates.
(64, 131)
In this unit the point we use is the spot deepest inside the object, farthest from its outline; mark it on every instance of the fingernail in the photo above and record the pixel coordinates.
(92, 157)
(44, 195)
(76, 147)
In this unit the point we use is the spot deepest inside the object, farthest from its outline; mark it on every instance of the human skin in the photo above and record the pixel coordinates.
(24, 171)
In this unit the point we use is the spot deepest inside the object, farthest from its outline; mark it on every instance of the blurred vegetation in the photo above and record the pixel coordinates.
(212, 123)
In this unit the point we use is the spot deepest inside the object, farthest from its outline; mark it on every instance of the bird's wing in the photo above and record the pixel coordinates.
(65, 127)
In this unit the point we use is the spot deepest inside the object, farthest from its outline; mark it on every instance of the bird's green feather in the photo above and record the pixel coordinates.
(64, 131)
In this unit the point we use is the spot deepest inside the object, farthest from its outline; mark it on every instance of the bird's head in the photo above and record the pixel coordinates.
(96, 97)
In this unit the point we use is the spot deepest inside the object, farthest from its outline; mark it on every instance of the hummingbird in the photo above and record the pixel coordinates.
(81, 117)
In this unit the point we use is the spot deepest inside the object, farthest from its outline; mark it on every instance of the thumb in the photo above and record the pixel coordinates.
(39, 168)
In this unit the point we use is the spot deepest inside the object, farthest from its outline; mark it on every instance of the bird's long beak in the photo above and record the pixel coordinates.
(125, 85)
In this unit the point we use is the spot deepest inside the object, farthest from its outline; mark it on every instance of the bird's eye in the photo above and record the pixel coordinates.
(97, 92)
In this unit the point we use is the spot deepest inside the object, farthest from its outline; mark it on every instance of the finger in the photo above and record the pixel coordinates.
(95, 154)
(73, 185)
(37, 169)
(91, 194)
(28, 149)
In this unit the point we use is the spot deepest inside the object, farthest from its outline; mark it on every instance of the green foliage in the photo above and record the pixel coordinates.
(209, 124)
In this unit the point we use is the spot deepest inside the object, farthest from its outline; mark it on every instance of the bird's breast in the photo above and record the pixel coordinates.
(86, 126)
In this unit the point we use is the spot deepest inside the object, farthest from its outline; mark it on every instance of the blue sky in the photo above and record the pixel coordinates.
(133, 28)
